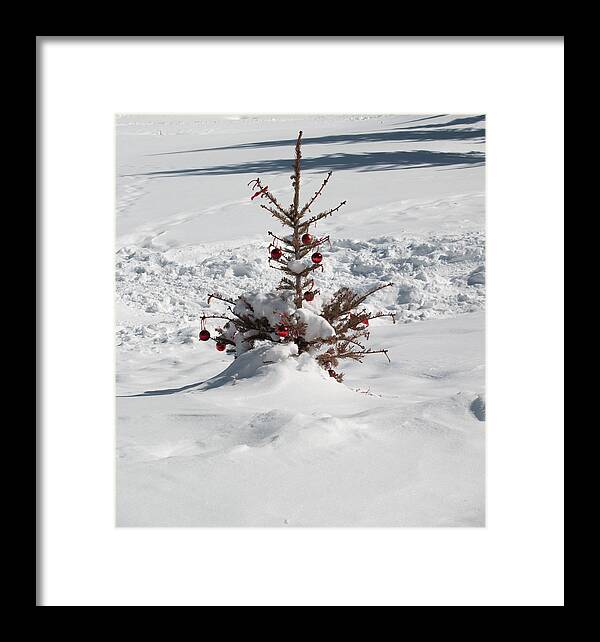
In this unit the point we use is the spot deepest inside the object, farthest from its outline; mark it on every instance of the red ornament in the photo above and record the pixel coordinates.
(317, 257)
(365, 320)
(220, 346)
(204, 335)
(282, 331)
(331, 373)
(309, 296)
(276, 253)
(307, 239)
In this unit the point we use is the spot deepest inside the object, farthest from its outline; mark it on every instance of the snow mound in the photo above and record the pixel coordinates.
(273, 370)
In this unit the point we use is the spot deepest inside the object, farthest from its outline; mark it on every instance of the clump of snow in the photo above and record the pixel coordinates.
(268, 305)
(407, 293)
(422, 249)
(245, 269)
(367, 265)
(297, 266)
(229, 330)
(275, 307)
(477, 276)
(317, 326)
(243, 341)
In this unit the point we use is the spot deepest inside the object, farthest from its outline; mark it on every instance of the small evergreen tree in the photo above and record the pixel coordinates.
(335, 332)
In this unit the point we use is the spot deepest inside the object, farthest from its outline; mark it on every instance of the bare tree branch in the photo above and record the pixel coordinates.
(280, 217)
(257, 183)
(220, 298)
(306, 208)
(215, 316)
(368, 294)
(322, 215)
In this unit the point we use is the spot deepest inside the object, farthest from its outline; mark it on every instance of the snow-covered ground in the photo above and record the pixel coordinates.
(398, 444)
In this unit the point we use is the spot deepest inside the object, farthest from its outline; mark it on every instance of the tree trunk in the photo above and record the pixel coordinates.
(296, 213)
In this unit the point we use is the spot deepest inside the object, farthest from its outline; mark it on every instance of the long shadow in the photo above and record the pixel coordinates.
(468, 120)
(227, 376)
(367, 162)
(165, 391)
(418, 120)
(422, 133)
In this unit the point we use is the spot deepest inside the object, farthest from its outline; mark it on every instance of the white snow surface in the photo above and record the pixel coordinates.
(268, 439)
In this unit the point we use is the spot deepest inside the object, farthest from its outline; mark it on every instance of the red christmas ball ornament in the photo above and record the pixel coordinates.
(307, 239)
(204, 335)
(220, 346)
(309, 296)
(317, 257)
(282, 330)
(365, 320)
(276, 253)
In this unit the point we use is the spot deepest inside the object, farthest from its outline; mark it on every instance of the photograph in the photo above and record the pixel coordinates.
(300, 320)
